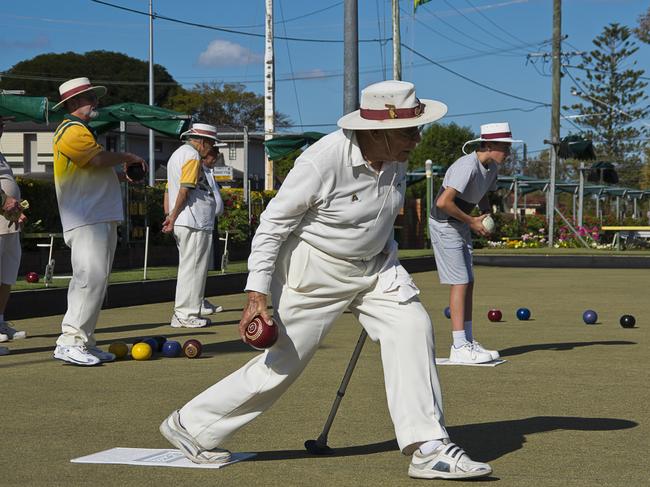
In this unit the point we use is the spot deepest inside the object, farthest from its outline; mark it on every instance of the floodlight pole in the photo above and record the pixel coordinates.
(397, 43)
(429, 173)
(350, 56)
(152, 160)
(269, 92)
(555, 115)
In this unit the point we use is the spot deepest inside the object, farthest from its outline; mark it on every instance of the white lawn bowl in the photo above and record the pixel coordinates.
(488, 224)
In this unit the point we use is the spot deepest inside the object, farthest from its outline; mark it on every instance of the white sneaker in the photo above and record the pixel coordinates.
(468, 354)
(3, 338)
(191, 322)
(12, 333)
(101, 355)
(449, 461)
(177, 435)
(493, 353)
(207, 308)
(75, 354)
(4, 351)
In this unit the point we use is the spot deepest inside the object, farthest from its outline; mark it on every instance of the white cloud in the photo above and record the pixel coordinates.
(226, 53)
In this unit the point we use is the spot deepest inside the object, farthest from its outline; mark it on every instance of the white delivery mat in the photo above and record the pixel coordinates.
(493, 363)
(152, 457)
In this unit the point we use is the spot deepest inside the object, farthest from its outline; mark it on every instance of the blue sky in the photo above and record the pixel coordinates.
(480, 39)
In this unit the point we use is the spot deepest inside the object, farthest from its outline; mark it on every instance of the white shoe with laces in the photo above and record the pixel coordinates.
(101, 355)
(177, 435)
(3, 338)
(191, 322)
(12, 333)
(468, 354)
(207, 308)
(448, 461)
(493, 353)
(75, 354)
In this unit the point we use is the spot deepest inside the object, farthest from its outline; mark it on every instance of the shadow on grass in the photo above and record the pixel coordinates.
(559, 347)
(483, 441)
(231, 346)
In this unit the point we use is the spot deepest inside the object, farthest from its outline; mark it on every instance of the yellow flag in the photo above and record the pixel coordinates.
(417, 3)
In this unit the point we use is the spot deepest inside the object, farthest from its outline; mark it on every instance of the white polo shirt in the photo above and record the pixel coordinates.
(333, 200)
(184, 169)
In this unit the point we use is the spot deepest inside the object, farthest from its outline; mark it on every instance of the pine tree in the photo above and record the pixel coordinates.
(615, 101)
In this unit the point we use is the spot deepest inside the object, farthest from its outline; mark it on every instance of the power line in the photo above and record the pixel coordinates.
(494, 23)
(596, 70)
(466, 78)
(295, 90)
(229, 31)
(479, 26)
(99, 81)
(286, 21)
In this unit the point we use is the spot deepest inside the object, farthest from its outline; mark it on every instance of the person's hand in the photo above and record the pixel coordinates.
(256, 305)
(11, 205)
(133, 160)
(22, 218)
(476, 225)
(168, 224)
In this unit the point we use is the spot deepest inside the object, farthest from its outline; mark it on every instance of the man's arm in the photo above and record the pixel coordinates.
(110, 159)
(181, 200)
(446, 203)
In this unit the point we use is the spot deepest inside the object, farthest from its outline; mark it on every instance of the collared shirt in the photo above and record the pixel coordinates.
(471, 179)
(184, 169)
(333, 200)
(85, 194)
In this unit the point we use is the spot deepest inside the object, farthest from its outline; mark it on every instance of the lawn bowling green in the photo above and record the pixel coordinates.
(569, 397)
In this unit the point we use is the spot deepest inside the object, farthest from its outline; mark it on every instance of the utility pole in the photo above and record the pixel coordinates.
(397, 43)
(351, 56)
(269, 92)
(555, 114)
(152, 156)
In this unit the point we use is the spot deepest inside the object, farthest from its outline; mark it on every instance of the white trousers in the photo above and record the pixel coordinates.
(310, 290)
(193, 261)
(93, 249)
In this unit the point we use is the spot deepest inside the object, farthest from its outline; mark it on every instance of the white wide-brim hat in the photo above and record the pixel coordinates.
(75, 87)
(204, 130)
(493, 132)
(392, 105)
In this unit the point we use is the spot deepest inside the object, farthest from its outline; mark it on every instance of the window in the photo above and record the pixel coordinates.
(232, 152)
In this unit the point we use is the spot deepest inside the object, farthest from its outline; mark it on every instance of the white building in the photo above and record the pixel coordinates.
(28, 148)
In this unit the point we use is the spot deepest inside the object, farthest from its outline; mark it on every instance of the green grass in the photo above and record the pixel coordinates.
(569, 408)
(169, 272)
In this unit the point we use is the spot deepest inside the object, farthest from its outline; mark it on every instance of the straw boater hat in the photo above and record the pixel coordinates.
(493, 132)
(75, 87)
(392, 105)
(204, 130)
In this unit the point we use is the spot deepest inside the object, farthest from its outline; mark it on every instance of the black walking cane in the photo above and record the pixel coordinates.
(319, 446)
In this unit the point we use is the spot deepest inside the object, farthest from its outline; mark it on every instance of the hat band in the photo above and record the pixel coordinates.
(392, 113)
(497, 135)
(204, 132)
(74, 91)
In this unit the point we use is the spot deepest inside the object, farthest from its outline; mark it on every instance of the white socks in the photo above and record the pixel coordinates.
(430, 446)
(459, 338)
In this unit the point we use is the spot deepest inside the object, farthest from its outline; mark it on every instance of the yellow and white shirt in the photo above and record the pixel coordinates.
(184, 169)
(86, 194)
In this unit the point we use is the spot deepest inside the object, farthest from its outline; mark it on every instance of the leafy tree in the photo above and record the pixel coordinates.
(643, 30)
(440, 143)
(613, 97)
(224, 104)
(114, 70)
(282, 166)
